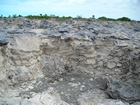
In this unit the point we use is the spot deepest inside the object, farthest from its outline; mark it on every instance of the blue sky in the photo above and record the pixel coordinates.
(84, 8)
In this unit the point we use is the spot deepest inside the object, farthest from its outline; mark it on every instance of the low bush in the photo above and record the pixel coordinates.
(124, 19)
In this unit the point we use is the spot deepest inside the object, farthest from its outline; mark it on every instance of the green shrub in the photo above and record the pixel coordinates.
(124, 19)
(102, 18)
(107, 19)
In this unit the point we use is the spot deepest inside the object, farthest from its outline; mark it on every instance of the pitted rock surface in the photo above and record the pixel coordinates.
(74, 58)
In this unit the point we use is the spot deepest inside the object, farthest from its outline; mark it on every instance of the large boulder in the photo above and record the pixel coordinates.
(124, 91)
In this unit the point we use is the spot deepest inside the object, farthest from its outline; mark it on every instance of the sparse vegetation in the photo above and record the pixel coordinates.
(63, 18)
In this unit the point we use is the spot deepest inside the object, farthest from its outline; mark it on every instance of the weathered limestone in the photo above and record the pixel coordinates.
(69, 56)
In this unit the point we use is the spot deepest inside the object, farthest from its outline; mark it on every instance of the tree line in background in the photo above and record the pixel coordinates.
(66, 17)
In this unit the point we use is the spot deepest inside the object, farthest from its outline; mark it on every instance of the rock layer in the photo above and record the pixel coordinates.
(31, 50)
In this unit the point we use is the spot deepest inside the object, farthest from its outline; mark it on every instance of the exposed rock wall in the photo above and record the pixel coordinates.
(32, 49)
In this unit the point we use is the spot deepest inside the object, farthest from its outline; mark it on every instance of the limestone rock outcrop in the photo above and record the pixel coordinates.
(71, 57)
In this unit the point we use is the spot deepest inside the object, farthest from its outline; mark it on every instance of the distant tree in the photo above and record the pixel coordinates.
(69, 17)
(93, 16)
(124, 19)
(102, 18)
(20, 16)
(14, 16)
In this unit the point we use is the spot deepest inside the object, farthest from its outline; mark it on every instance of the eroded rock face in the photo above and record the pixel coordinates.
(71, 55)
